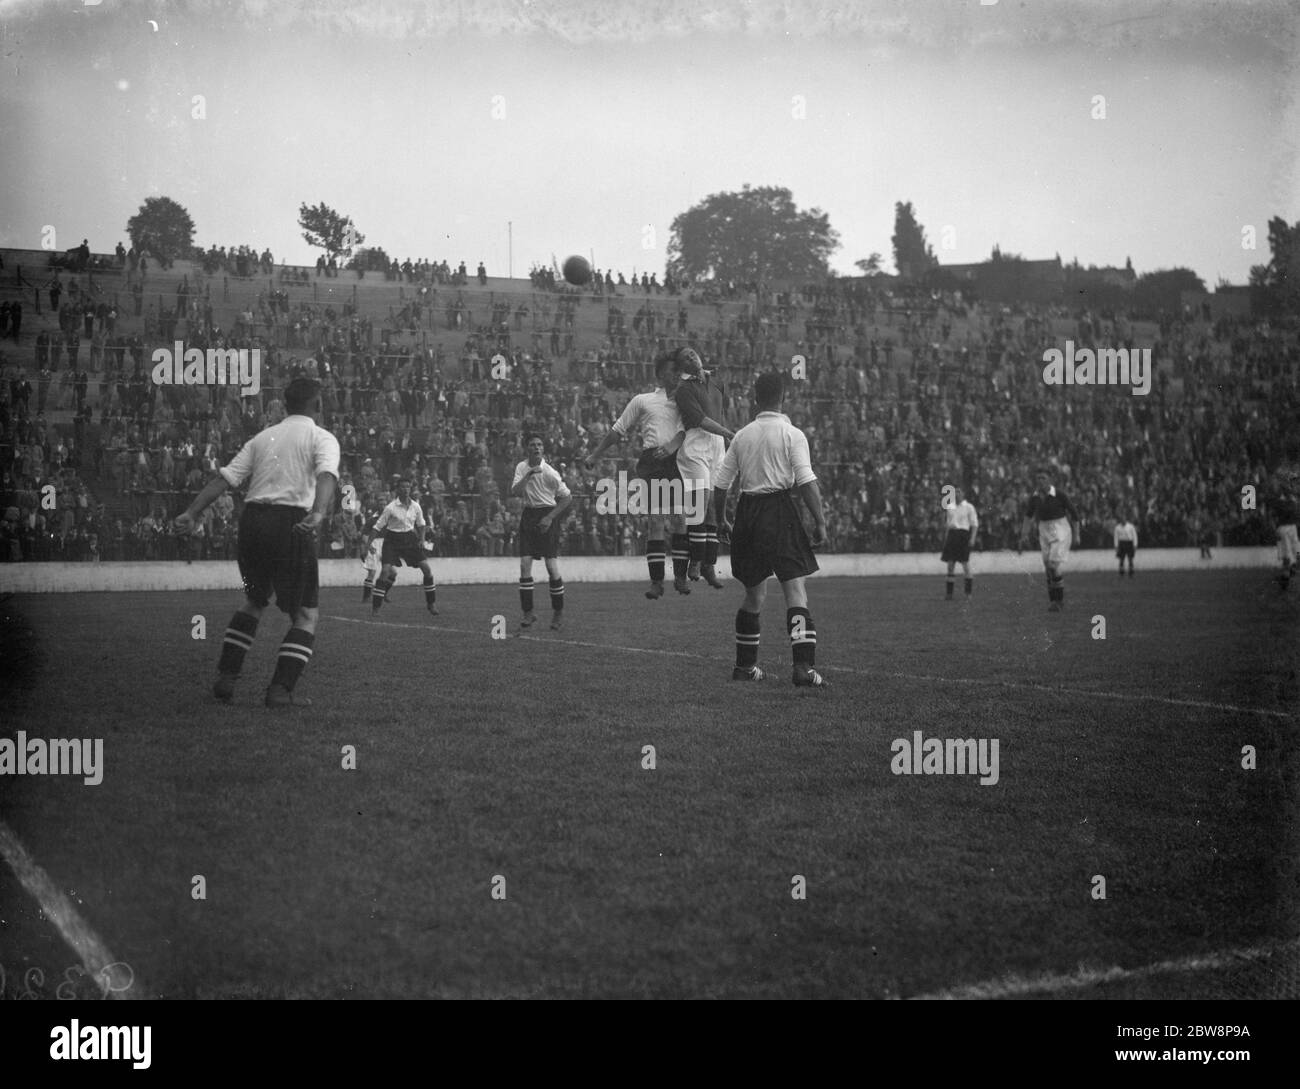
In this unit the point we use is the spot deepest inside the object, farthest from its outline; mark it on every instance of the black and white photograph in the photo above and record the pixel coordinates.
(562, 500)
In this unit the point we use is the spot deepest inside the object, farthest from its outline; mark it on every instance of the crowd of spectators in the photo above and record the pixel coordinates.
(899, 394)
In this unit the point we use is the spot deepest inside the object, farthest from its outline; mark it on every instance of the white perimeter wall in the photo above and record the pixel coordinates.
(30, 578)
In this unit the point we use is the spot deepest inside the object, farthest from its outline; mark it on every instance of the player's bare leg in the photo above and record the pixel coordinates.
(803, 635)
(295, 653)
(557, 592)
(526, 592)
(237, 642)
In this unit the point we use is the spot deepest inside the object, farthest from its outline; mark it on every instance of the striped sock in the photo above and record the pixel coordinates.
(380, 594)
(949, 585)
(557, 594)
(526, 593)
(239, 637)
(748, 627)
(697, 540)
(655, 554)
(803, 636)
(681, 555)
(430, 591)
(295, 653)
(710, 545)
(366, 587)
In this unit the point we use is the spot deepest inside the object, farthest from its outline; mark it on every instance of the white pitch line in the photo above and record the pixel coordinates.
(74, 930)
(1019, 987)
(987, 682)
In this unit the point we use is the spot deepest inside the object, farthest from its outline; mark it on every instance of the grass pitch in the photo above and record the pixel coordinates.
(522, 758)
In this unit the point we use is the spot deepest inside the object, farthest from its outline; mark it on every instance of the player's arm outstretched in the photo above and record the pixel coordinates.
(185, 522)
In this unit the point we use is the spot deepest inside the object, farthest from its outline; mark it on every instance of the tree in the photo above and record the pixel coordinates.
(870, 266)
(325, 229)
(1162, 290)
(751, 236)
(1275, 287)
(161, 227)
(913, 256)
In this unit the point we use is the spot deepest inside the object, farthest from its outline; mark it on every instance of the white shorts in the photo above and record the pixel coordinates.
(1055, 538)
(1288, 545)
(700, 456)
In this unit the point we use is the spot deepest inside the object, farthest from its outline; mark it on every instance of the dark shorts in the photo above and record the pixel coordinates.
(769, 539)
(541, 544)
(1125, 550)
(650, 468)
(402, 548)
(276, 561)
(664, 496)
(956, 546)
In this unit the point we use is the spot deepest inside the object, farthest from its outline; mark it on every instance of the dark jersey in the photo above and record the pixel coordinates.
(1284, 508)
(1047, 508)
(697, 399)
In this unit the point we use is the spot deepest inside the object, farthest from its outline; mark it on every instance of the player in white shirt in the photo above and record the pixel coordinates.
(1126, 544)
(660, 422)
(291, 472)
(403, 525)
(962, 526)
(769, 460)
(546, 499)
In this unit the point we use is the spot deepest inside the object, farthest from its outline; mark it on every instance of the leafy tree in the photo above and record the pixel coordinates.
(1275, 287)
(751, 236)
(1163, 289)
(161, 227)
(870, 266)
(325, 229)
(913, 256)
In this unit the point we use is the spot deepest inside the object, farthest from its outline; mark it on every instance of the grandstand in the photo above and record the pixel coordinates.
(906, 390)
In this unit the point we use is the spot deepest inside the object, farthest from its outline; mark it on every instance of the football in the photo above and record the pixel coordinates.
(577, 270)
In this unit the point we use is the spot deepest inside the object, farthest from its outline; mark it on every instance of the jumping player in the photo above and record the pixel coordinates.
(1055, 517)
(699, 460)
(546, 499)
(962, 527)
(402, 523)
(662, 434)
(769, 458)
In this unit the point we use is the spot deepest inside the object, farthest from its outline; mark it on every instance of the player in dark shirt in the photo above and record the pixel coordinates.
(699, 460)
(1282, 505)
(1056, 520)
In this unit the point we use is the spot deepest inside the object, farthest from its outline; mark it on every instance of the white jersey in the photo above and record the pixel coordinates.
(963, 516)
(655, 413)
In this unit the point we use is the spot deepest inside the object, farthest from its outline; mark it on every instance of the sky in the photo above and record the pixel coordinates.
(509, 131)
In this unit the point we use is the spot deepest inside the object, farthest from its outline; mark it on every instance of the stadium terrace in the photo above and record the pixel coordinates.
(217, 367)
(1105, 367)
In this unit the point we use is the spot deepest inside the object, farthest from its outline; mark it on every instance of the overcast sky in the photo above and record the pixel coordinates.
(617, 117)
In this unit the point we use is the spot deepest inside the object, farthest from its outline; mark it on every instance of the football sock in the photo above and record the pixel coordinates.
(366, 587)
(948, 586)
(710, 545)
(698, 540)
(557, 594)
(239, 637)
(970, 586)
(295, 653)
(748, 626)
(526, 593)
(681, 555)
(655, 553)
(430, 591)
(380, 594)
(803, 636)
